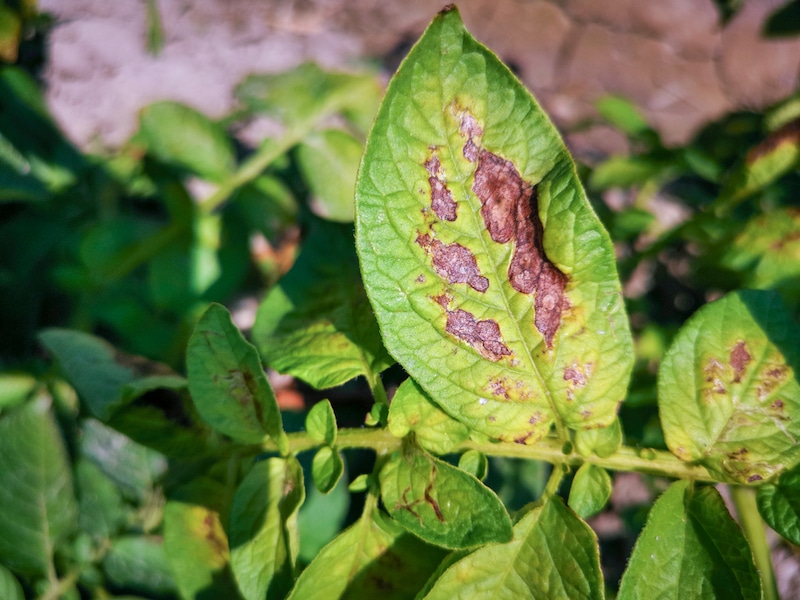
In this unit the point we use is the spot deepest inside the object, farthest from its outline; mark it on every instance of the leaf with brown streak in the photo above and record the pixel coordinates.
(480, 253)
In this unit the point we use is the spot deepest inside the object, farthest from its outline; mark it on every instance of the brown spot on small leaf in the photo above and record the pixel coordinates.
(712, 372)
(510, 210)
(442, 201)
(484, 335)
(523, 439)
(753, 478)
(777, 405)
(454, 262)
(739, 360)
(420, 278)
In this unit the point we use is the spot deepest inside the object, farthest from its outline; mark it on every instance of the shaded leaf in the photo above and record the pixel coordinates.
(553, 555)
(590, 491)
(441, 504)
(767, 252)
(601, 442)
(779, 504)
(321, 423)
(321, 517)
(728, 393)
(228, 384)
(775, 156)
(196, 544)
(374, 558)
(263, 530)
(493, 281)
(328, 161)
(412, 410)
(10, 589)
(327, 469)
(180, 136)
(37, 504)
(100, 372)
(690, 548)
(475, 463)
(101, 510)
(316, 324)
(139, 563)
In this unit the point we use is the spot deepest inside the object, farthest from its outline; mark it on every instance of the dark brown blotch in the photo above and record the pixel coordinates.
(442, 201)
(498, 387)
(483, 335)
(454, 262)
(510, 210)
(739, 360)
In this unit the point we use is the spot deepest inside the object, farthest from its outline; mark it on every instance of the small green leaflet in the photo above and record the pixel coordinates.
(492, 279)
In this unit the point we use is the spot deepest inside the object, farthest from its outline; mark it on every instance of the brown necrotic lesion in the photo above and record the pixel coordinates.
(454, 262)
(442, 202)
(510, 211)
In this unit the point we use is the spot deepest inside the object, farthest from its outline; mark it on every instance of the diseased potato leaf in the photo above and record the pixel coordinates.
(728, 392)
(492, 279)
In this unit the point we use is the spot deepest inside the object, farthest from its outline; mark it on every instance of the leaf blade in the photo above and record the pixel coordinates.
(436, 247)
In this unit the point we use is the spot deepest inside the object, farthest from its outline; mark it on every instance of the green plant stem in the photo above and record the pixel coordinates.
(655, 462)
(256, 163)
(744, 498)
(141, 252)
(60, 586)
(377, 389)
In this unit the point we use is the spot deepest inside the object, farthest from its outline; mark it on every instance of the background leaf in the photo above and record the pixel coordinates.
(228, 384)
(316, 324)
(10, 589)
(139, 563)
(493, 281)
(263, 530)
(728, 393)
(37, 503)
(182, 137)
(553, 555)
(329, 162)
(196, 544)
(441, 504)
(690, 547)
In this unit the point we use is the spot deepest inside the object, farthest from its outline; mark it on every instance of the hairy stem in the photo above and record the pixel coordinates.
(744, 498)
(655, 462)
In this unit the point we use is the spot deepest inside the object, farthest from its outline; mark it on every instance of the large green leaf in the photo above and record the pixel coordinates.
(553, 555)
(441, 504)
(316, 324)
(37, 504)
(374, 558)
(263, 533)
(728, 392)
(492, 279)
(228, 384)
(690, 548)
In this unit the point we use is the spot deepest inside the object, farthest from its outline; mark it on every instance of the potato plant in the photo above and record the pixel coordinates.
(479, 265)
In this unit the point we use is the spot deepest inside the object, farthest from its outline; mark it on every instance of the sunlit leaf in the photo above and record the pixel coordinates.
(553, 555)
(591, 489)
(321, 423)
(493, 281)
(326, 469)
(728, 392)
(690, 548)
(412, 410)
(263, 531)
